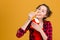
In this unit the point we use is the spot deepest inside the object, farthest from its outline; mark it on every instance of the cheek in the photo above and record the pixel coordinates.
(37, 14)
(41, 15)
(43, 12)
(44, 15)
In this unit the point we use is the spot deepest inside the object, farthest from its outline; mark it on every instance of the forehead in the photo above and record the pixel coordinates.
(43, 7)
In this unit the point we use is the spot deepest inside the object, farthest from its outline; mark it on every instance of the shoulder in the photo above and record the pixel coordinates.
(47, 22)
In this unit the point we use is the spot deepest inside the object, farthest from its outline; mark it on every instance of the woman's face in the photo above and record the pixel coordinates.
(41, 12)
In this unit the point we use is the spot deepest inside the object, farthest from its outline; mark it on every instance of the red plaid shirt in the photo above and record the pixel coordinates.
(35, 35)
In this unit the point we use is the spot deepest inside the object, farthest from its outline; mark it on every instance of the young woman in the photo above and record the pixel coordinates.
(39, 28)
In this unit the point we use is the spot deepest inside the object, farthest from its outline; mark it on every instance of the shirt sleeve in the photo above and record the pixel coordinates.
(21, 32)
(49, 31)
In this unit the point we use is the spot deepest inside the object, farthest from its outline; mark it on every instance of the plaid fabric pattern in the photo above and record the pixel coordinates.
(35, 35)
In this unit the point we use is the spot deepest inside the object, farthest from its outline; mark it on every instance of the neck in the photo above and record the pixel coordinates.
(41, 23)
(40, 20)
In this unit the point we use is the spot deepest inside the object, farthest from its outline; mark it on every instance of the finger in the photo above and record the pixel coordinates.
(33, 23)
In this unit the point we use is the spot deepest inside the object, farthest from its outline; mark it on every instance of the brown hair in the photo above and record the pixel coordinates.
(48, 10)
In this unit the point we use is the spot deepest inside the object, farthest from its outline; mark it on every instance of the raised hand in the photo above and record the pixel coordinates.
(31, 15)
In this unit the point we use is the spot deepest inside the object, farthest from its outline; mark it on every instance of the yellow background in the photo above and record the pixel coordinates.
(14, 13)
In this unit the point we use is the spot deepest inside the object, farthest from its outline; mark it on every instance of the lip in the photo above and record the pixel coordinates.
(38, 15)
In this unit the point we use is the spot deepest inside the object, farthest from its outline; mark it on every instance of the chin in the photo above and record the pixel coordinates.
(39, 17)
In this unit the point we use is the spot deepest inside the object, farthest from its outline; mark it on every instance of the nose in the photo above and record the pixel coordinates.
(38, 11)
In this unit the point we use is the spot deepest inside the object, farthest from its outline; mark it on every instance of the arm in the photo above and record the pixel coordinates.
(45, 35)
(23, 29)
(49, 31)
(48, 34)
(39, 29)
